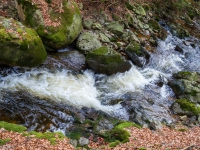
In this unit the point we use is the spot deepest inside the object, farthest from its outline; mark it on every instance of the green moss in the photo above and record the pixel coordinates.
(114, 144)
(154, 24)
(4, 141)
(191, 76)
(105, 56)
(75, 135)
(182, 130)
(12, 127)
(51, 137)
(142, 148)
(118, 133)
(48, 1)
(127, 125)
(134, 47)
(101, 51)
(56, 37)
(188, 106)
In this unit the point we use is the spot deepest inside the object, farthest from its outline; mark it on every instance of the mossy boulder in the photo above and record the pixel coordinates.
(186, 85)
(186, 107)
(87, 42)
(58, 27)
(19, 45)
(107, 61)
(137, 54)
(187, 89)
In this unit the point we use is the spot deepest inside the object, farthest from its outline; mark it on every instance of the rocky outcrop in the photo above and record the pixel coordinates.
(137, 54)
(107, 61)
(186, 87)
(19, 45)
(57, 23)
(87, 42)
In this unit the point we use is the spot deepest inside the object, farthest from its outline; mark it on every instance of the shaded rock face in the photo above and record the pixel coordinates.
(186, 85)
(74, 59)
(186, 88)
(137, 54)
(19, 45)
(87, 42)
(57, 27)
(105, 61)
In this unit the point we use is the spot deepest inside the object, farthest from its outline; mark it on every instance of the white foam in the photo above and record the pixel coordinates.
(77, 90)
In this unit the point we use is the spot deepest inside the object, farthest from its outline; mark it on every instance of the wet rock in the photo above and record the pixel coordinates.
(154, 24)
(136, 54)
(178, 49)
(83, 141)
(186, 85)
(147, 108)
(73, 58)
(155, 125)
(87, 42)
(103, 125)
(107, 61)
(57, 28)
(19, 45)
(180, 110)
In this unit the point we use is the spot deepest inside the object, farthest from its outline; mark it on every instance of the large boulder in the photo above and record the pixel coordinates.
(107, 61)
(186, 86)
(57, 23)
(19, 45)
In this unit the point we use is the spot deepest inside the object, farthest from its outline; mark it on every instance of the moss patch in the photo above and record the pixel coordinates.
(118, 133)
(50, 136)
(188, 106)
(12, 127)
(4, 141)
(114, 144)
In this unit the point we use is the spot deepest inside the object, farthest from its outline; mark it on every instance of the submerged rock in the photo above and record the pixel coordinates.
(106, 61)
(19, 45)
(58, 26)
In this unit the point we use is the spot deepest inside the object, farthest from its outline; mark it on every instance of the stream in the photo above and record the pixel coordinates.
(51, 96)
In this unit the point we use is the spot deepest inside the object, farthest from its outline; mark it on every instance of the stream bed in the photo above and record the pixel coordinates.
(52, 96)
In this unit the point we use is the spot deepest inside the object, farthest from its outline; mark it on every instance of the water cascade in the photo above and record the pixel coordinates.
(42, 97)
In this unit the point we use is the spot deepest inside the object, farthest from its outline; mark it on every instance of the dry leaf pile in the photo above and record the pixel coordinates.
(166, 138)
(20, 142)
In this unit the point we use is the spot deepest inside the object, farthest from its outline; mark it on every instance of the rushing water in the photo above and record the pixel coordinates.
(42, 97)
